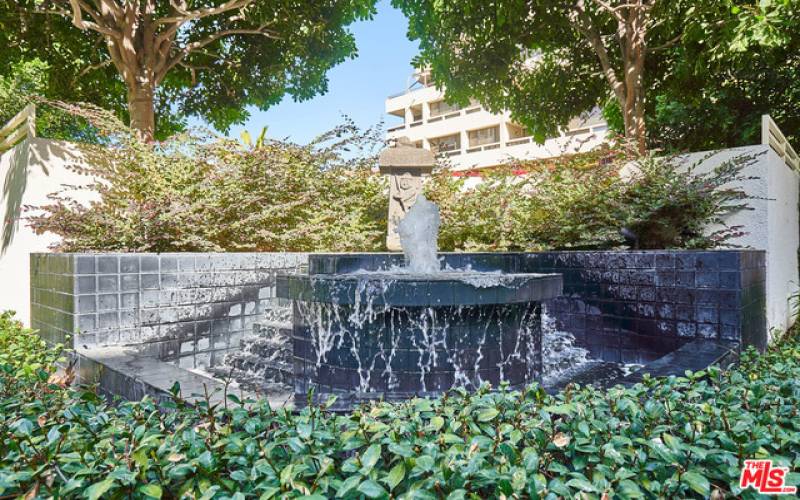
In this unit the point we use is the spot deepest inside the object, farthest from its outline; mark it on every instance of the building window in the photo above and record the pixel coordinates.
(516, 132)
(490, 135)
(416, 113)
(446, 143)
(439, 108)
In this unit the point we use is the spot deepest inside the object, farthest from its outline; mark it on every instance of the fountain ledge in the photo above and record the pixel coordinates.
(414, 290)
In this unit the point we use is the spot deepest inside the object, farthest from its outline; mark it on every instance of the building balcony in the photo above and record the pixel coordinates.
(484, 147)
(435, 119)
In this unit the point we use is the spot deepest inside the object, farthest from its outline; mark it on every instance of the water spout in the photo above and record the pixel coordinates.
(419, 234)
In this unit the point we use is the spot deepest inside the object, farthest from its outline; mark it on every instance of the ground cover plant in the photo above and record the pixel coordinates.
(670, 438)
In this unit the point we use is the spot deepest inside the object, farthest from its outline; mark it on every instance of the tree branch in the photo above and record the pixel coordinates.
(199, 44)
(78, 7)
(666, 44)
(584, 25)
(77, 18)
(186, 15)
(93, 67)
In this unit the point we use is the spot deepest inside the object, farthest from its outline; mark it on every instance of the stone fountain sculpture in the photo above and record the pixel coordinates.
(406, 167)
(401, 326)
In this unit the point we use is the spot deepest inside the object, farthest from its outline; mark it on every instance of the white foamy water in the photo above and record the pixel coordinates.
(560, 353)
(477, 279)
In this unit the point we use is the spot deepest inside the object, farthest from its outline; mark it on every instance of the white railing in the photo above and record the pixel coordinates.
(484, 147)
(772, 136)
(23, 125)
(519, 141)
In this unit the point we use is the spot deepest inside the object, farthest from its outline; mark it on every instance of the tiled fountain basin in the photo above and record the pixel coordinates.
(394, 336)
(178, 309)
(626, 306)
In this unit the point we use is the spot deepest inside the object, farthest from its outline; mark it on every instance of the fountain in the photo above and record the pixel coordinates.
(416, 329)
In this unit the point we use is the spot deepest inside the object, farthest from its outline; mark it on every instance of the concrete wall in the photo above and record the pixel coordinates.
(773, 224)
(29, 172)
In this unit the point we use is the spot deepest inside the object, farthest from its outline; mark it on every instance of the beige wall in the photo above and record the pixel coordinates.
(29, 172)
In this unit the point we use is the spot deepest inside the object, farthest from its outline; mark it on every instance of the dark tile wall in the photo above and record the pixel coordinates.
(630, 306)
(174, 304)
(623, 305)
(53, 300)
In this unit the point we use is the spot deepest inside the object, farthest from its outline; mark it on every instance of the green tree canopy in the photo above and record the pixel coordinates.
(28, 78)
(207, 58)
(726, 74)
(547, 61)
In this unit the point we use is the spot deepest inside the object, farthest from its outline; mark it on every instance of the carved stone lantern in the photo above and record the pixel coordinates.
(406, 165)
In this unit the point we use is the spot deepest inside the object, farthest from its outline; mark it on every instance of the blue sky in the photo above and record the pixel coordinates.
(356, 87)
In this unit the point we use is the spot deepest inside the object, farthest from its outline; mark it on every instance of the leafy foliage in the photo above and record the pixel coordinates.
(206, 58)
(26, 79)
(735, 62)
(732, 68)
(199, 193)
(710, 69)
(582, 202)
(680, 437)
(22, 353)
(549, 61)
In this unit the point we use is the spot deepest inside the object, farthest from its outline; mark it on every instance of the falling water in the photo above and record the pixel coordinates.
(419, 232)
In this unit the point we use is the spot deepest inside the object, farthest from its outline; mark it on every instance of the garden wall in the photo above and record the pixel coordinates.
(771, 224)
(177, 306)
(29, 172)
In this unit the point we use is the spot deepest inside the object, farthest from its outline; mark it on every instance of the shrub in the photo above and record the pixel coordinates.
(22, 353)
(679, 437)
(662, 204)
(667, 205)
(203, 193)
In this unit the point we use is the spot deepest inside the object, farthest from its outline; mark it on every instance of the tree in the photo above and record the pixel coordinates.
(725, 74)
(547, 61)
(209, 58)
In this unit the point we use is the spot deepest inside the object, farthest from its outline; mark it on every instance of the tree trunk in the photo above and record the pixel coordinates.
(627, 84)
(633, 112)
(142, 111)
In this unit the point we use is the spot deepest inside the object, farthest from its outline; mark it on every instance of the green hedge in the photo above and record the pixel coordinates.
(671, 438)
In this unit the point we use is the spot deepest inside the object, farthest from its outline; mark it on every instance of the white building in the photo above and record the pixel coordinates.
(472, 137)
